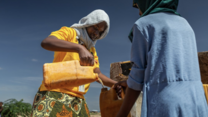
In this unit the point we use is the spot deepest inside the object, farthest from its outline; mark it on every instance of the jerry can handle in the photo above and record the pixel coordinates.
(122, 92)
(101, 82)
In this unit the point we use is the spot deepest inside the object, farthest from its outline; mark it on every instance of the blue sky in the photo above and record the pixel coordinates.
(25, 23)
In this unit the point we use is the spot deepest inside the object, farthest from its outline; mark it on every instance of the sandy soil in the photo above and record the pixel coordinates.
(95, 116)
(98, 115)
(90, 116)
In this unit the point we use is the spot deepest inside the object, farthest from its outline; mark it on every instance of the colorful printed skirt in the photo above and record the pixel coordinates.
(55, 104)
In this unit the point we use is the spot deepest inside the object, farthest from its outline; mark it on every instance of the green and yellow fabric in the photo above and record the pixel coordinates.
(57, 104)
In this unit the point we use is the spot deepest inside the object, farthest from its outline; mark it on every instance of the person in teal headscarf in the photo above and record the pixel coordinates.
(165, 64)
(153, 6)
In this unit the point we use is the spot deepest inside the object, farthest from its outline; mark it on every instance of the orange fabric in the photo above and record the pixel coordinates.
(206, 91)
(88, 112)
(69, 34)
(64, 113)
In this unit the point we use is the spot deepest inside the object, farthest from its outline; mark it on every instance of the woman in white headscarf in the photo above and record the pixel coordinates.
(73, 43)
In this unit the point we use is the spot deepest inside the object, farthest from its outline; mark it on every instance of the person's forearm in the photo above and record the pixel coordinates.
(106, 81)
(54, 44)
(129, 100)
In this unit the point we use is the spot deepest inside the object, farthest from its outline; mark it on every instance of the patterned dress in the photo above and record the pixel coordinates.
(56, 104)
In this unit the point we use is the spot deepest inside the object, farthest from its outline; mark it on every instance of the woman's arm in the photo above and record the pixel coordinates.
(106, 81)
(129, 100)
(52, 43)
(135, 81)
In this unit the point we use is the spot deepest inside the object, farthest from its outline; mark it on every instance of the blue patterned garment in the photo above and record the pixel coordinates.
(166, 67)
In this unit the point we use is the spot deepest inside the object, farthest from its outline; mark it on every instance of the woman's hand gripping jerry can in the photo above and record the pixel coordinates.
(67, 74)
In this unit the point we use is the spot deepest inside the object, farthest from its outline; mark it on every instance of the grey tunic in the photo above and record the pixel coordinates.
(166, 67)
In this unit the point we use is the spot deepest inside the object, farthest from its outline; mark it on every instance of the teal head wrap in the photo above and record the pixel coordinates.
(153, 6)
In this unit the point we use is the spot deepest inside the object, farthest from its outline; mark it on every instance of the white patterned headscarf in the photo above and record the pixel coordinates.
(95, 17)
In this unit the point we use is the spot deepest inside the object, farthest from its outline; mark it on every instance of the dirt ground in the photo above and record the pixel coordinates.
(95, 116)
(90, 115)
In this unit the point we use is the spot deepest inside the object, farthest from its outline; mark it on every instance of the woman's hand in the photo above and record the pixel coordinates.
(54, 44)
(86, 58)
(118, 86)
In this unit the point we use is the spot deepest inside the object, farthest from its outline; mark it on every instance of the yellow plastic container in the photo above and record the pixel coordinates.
(67, 74)
(206, 91)
(109, 102)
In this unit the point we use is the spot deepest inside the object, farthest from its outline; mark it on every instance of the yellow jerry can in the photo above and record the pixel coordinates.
(67, 74)
(206, 91)
(110, 104)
